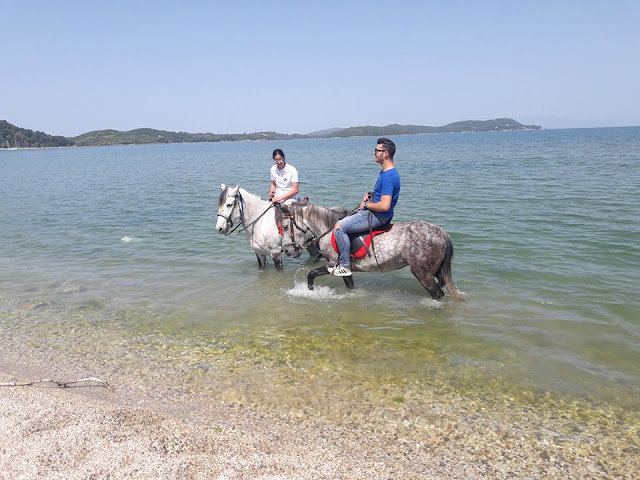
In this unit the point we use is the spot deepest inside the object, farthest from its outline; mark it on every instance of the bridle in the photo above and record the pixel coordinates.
(314, 239)
(293, 225)
(237, 202)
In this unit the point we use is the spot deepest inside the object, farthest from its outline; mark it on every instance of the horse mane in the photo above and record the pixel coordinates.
(223, 195)
(279, 214)
(242, 191)
(317, 214)
(250, 195)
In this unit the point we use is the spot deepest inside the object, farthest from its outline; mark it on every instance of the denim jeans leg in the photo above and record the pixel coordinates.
(358, 222)
(342, 241)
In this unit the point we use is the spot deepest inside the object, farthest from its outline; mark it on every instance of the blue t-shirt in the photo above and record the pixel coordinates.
(388, 184)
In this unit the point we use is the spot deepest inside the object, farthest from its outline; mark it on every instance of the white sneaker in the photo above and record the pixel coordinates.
(340, 271)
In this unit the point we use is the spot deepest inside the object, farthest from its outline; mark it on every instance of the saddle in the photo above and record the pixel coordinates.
(361, 241)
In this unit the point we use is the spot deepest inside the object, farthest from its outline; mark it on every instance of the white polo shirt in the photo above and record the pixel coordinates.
(284, 179)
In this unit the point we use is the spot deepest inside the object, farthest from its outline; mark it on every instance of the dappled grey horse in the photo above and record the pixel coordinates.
(426, 248)
(237, 206)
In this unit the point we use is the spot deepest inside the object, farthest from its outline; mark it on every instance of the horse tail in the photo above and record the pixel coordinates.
(444, 272)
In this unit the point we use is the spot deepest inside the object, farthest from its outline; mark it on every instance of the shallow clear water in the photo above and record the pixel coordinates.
(111, 253)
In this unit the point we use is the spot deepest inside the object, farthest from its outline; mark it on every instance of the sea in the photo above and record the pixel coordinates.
(109, 258)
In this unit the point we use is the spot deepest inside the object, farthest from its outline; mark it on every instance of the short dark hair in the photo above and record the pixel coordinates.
(389, 146)
(277, 151)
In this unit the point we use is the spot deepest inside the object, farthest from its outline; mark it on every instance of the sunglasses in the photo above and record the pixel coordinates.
(376, 150)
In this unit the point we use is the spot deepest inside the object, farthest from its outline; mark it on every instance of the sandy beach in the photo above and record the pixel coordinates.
(50, 433)
(89, 431)
(61, 433)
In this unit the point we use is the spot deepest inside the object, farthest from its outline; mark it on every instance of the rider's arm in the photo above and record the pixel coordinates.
(286, 196)
(272, 189)
(382, 206)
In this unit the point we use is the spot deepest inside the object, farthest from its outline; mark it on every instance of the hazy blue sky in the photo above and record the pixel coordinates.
(69, 67)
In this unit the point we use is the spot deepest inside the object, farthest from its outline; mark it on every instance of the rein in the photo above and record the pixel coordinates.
(292, 234)
(316, 240)
(373, 246)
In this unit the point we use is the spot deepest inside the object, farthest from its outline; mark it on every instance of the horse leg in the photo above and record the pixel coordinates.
(316, 273)
(428, 281)
(277, 261)
(262, 261)
(314, 251)
(348, 281)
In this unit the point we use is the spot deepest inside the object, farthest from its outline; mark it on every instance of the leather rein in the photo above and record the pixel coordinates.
(316, 240)
(293, 224)
(291, 229)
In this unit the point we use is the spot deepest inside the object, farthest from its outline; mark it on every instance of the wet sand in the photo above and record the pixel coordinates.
(89, 431)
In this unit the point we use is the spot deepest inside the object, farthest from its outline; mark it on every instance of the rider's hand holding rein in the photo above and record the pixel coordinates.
(382, 206)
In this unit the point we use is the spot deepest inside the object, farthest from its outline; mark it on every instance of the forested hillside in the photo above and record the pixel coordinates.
(15, 137)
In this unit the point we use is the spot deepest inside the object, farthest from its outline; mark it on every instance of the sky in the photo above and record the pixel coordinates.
(69, 67)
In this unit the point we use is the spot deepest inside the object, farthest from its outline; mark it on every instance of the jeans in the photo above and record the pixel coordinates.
(358, 222)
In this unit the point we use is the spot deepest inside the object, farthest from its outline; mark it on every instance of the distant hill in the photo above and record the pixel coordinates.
(325, 133)
(149, 135)
(498, 124)
(16, 137)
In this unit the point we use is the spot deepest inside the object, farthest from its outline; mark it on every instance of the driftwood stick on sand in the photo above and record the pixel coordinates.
(100, 383)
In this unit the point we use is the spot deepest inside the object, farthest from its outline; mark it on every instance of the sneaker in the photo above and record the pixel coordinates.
(331, 269)
(340, 271)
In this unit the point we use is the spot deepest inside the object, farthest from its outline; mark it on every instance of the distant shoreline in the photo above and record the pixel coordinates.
(12, 137)
(304, 137)
(268, 140)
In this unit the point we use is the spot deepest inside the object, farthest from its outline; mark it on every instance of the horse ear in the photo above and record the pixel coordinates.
(285, 208)
(222, 186)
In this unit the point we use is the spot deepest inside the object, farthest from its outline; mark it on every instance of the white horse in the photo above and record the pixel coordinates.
(261, 219)
(257, 216)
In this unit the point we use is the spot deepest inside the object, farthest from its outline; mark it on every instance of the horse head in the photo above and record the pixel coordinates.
(230, 207)
(294, 235)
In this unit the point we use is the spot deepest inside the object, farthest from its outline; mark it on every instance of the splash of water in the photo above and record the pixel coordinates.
(321, 293)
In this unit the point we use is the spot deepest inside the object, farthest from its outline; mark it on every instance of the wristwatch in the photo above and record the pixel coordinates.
(366, 205)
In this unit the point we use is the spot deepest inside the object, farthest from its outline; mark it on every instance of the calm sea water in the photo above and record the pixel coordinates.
(111, 254)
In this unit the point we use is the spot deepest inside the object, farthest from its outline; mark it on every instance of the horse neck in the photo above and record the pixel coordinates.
(254, 206)
(319, 219)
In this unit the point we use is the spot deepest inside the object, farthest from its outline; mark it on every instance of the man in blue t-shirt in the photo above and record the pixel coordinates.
(372, 212)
